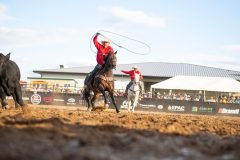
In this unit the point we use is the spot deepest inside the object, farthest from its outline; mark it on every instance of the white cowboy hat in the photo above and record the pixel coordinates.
(135, 67)
(105, 40)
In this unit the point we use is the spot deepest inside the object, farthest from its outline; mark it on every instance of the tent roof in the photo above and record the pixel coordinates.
(218, 84)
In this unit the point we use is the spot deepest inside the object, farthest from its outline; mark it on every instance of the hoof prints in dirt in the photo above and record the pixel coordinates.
(49, 134)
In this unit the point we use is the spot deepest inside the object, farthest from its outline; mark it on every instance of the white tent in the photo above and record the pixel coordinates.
(218, 84)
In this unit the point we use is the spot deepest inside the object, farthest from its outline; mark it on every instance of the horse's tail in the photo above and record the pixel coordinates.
(85, 92)
(86, 95)
(86, 79)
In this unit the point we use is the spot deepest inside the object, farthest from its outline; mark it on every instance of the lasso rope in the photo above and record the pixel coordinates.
(122, 47)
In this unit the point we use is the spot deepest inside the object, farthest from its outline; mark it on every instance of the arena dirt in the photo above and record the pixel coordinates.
(75, 134)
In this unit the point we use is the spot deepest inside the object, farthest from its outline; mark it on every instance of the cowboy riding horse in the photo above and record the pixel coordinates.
(103, 81)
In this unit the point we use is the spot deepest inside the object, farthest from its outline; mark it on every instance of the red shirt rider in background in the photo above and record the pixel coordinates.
(132, 74)
(102, 50)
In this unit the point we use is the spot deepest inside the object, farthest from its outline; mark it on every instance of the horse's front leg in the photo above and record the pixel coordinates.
(93, 100)
(129, 104)
(129, 101)
(113, 101)
(102, 90)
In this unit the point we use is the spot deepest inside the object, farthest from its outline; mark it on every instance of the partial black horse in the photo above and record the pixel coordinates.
(9, 81)
(102, 82)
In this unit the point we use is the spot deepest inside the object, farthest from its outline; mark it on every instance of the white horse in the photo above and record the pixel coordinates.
(133, 93)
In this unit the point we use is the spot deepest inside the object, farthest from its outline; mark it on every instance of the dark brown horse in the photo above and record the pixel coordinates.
(102, 82)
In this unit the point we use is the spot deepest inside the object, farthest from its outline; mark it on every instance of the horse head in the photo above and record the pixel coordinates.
(111, 60)
(136, 78)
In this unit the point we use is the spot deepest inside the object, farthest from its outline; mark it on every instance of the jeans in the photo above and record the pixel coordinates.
(128, 86)
(96, 69)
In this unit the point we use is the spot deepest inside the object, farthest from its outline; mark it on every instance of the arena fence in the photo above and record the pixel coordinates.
(145, 104)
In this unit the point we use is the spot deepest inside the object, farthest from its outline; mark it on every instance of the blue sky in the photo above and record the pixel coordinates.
(42, 34)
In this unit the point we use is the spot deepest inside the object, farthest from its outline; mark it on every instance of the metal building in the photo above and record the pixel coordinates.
(153, 72)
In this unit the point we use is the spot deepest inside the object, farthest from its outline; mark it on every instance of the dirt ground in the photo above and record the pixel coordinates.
(59, 133)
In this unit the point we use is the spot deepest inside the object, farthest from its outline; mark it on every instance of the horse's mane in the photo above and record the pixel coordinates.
(106, 58)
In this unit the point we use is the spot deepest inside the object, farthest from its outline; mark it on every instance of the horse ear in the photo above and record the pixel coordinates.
(115, 52)
(7, 57)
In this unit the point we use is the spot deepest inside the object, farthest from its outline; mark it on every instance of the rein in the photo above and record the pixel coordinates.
(134, 91)
(104, 76)
(136, 83)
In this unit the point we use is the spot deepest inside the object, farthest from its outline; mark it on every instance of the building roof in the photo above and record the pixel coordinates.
(156, 69)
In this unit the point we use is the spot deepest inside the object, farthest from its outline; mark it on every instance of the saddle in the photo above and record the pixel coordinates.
(140, 90)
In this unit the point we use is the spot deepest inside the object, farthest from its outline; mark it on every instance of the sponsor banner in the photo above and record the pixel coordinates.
(58, 100)
(41, 98)
(146, 105)
(202, 109)
(48, 99)
(124, 104)
(35, 98)
(176, 108)
(228, 111)
(160, 107)
(140, 105)
(71, 101)
(194, 109)
(205, 109)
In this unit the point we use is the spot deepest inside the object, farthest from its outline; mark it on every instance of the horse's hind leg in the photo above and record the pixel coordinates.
(86, 95)
(88, 103)
(114, 102)
(101, 89)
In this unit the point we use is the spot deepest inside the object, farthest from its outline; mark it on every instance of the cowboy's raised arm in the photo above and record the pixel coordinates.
(96, 43)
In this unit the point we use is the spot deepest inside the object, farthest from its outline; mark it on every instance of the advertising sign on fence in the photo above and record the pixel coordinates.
(228, 111)
(146, 104)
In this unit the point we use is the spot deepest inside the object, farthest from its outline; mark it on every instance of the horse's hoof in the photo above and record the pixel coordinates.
(106, 106)
(17, 107)
(6, 107)
(117, 111)
(26, 109)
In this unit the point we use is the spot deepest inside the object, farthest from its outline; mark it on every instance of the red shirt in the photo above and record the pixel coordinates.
(101, 50)
(132, 74)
